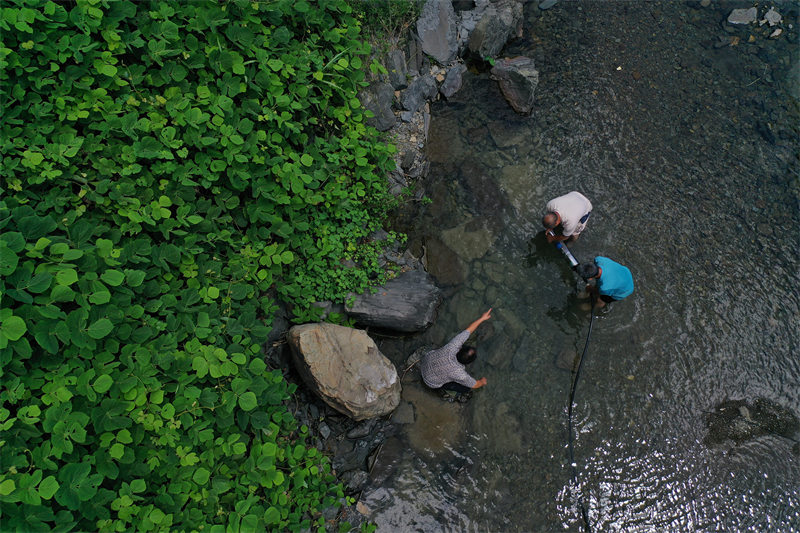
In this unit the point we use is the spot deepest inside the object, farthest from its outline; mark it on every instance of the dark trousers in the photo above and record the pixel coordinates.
(453, 386)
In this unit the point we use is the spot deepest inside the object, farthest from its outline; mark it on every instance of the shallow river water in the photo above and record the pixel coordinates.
(689, 152)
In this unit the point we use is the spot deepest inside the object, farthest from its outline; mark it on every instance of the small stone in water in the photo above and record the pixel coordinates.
(772, 17)
(630, 377)
(547, 4)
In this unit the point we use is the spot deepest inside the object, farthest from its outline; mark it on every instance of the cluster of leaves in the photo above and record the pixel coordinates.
(171, 169)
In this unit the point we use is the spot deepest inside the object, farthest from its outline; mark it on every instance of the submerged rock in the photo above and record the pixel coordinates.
(743, 16)
(439, 425)
(443, 263)
(470, 240)
(740, 421)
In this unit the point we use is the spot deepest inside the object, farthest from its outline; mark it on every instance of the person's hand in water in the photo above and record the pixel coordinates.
(484, 317)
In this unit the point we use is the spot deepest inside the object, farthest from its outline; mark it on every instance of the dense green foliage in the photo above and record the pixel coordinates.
(386, 18)
(169, 170)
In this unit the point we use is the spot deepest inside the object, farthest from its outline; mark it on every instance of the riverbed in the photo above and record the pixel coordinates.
(684, 136)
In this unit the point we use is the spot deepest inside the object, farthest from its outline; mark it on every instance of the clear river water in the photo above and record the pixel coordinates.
(684, 135)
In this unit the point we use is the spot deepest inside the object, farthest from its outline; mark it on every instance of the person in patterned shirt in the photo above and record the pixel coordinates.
(444, 368)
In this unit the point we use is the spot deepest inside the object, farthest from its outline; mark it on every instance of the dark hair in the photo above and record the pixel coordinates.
(466, 355)
(587, 270)
(550, 220)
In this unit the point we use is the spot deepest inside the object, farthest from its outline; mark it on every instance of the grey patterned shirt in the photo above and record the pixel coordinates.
(441, 366)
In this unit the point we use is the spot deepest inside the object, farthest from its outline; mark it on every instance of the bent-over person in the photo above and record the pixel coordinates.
(444, 368)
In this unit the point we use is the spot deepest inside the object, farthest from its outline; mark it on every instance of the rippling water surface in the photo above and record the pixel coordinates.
(689, 153)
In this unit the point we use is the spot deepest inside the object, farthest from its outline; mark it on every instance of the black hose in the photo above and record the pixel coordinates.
(584, 512)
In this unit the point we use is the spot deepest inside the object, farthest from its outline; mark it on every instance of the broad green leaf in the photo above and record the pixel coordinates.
(40, 282)
(100, 297)
(113, 277)
(200, 365)
(7, 486)
(103, 383)
(117, 450)
(248, 401)
(48, 487)
(100, 328)
(201, 476)
(66, 277)
(272, 516)
(13, 327)
(135, 277)
(8, 260)
(298, 452)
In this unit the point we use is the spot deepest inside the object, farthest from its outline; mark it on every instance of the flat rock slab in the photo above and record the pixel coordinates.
(407, 303)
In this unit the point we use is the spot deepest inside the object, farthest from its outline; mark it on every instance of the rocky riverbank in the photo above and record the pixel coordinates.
(450, 38)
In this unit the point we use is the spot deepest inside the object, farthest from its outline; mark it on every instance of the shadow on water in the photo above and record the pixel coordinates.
(686, 142)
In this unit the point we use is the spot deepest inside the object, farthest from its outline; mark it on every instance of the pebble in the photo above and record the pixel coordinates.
(324, 430)
(547, 4)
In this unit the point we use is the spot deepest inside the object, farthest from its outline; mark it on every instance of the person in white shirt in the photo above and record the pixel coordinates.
(566, 217)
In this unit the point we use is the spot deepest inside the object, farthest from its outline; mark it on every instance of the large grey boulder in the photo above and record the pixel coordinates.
(406, 303)
(438, 31)
(518, 79)
(377, 97)
(499, 23)
(346, 369)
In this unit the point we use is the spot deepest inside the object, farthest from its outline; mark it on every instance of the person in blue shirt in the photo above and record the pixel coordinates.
(613, 281)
